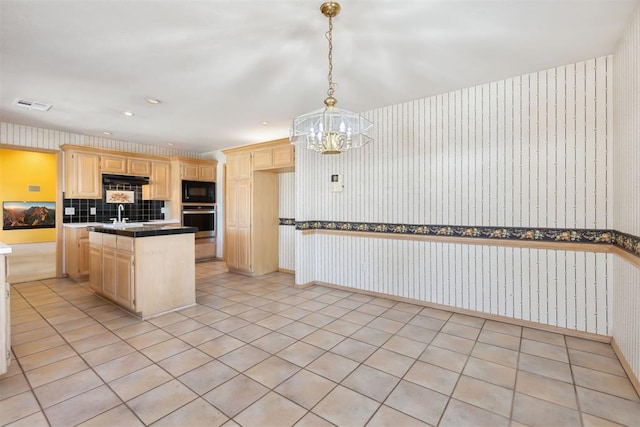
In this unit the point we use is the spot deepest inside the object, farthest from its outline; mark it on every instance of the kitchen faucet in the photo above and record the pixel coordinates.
(120, 210)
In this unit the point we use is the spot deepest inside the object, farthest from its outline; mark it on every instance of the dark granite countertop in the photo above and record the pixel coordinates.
(144, 230)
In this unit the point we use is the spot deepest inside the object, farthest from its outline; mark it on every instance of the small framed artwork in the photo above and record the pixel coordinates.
(27, 215)
(120, 196)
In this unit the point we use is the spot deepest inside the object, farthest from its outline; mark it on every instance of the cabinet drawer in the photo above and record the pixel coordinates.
(109, 241)
(95, 238)
(125, 243)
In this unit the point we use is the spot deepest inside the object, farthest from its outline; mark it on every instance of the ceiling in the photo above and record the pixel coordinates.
(222, 67)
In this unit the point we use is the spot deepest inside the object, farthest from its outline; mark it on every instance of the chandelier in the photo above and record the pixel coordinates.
(330, 130)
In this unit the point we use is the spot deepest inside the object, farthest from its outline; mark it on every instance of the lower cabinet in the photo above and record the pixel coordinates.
(125, 280)
(76, 243)
(95, 267)
(112, 271)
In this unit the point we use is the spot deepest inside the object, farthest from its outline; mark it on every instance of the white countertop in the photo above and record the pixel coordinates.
(81, 224)
(5, 249)
(89, 224)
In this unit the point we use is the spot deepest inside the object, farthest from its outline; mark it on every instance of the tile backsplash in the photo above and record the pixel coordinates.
(141, 210)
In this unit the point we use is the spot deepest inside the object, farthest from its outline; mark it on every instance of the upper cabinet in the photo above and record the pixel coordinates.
(111, 164)
(82, 177)
(194, 170)
(125, 166)
(239, 165)
(278, 156)
(84, 167)
(159, 187)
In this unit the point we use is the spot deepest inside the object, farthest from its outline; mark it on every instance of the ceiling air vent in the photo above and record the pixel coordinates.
(32, 105)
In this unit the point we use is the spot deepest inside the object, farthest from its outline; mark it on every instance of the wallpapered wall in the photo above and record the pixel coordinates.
(626, 213)
(287, 210)
(531, 151)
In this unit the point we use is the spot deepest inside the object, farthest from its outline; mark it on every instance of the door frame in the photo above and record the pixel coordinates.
(59, 199)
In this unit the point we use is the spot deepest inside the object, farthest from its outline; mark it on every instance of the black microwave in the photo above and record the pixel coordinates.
(198, 192)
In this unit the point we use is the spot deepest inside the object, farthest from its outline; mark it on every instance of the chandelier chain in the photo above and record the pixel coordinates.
(329, 36)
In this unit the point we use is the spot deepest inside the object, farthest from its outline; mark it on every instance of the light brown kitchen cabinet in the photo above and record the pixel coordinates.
(239, 165)
(125, 277)
(159, 187)
(189, 171)
(238, 229)
(279, 157)
(125, 165)
(76, 243)
(263, 159)
(111, 164)
(82, 176)
(138, 167)
(193, 170)
(109, 275)
(207, 172)
(112, 264)
(95, 265)
(251, 222)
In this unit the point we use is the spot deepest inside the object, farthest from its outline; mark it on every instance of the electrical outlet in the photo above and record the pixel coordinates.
(92, 211)
(163, 210)
(70, 211)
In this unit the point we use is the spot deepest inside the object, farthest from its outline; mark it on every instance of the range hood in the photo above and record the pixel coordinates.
(124, 179)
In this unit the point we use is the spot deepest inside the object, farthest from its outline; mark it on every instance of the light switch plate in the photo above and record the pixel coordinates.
(336, 183)
(163, 210)
(70, 211)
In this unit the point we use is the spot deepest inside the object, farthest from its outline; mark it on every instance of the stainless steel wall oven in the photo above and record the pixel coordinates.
(201, 216)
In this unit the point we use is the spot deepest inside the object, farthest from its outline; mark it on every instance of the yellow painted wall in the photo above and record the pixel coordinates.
(18, 170)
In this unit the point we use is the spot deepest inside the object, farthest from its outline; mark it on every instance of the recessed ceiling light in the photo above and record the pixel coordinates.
(171, 144)
(128, 113)
(107, 133)
(264, 123)
(153, 101)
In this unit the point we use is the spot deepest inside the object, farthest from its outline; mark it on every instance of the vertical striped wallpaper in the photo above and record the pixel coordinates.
(32, 137)
(559, 288)
(286, 233)
(532, 151)
(626, 187)
(287, 247)
(529, 151)
(287, 195)
(626, 152)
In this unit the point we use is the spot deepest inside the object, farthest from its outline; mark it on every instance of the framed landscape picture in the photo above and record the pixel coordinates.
(26, 215)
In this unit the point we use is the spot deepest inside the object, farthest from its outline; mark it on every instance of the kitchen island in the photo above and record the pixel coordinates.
(147, 269)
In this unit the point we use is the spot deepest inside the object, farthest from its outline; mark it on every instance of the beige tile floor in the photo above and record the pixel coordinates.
(258, 352)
